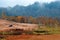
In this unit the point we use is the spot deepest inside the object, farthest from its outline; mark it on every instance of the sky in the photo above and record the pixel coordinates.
(11, 3)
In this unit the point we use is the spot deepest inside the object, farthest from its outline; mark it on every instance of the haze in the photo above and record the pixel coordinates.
(11, 3)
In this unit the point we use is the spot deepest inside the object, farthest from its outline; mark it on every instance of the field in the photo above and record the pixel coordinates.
(53, 33)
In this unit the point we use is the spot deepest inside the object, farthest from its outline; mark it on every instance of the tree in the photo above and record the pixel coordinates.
(22, 20)
(4, 15)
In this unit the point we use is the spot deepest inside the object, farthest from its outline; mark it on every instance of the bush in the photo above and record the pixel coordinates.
(2, 38)
(28, 32)
(12, 32)
(41, 32)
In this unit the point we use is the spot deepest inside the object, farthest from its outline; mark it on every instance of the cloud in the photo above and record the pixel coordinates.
(57, 0)
(5, 3)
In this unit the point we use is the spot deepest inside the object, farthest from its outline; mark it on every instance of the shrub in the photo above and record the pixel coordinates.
(41, 32)
(12, 32)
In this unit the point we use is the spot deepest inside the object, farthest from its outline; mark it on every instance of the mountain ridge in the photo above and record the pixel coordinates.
(49, 10)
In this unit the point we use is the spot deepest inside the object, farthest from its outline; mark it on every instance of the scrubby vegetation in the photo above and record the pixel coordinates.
(12, 32)
(42, 20)
(2, 37)
(38, 31)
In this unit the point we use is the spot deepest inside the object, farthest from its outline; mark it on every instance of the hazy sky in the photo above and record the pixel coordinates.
(6, 3)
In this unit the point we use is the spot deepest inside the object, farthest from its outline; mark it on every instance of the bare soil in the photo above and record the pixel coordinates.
(33, 37)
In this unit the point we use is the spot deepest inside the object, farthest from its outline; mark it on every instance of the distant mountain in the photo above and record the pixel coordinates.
(48, 9)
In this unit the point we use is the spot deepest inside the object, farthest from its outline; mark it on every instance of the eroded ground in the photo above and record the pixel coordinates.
(4, 25)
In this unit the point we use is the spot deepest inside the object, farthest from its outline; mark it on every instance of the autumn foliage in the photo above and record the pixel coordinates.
(39, 20)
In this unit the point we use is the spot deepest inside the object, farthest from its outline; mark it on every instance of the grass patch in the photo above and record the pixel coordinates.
(2, 39)
(53, 30)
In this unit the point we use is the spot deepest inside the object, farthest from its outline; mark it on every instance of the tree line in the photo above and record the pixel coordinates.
(38, 20)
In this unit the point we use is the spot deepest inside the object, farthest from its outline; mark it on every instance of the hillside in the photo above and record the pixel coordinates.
(4, 25)
(46, 9)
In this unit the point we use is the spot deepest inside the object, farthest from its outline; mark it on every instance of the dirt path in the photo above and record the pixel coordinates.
(34, 37)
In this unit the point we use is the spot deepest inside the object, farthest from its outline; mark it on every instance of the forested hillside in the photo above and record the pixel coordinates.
(37, 9)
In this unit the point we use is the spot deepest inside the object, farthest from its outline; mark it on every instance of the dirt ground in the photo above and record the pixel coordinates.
(4, 25)
(33, 37)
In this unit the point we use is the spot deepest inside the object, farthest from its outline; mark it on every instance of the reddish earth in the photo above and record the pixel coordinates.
(33, 37)
(4, 25)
